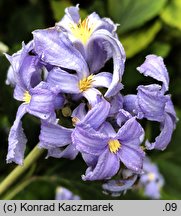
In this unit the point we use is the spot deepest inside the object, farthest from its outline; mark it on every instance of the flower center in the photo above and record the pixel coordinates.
(82, 30)
(151, 176)
(27, 97)
(86, 83)
(114, 145)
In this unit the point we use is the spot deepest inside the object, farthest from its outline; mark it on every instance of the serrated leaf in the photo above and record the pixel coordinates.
(139, 40)
(131, 14)
(171, 15)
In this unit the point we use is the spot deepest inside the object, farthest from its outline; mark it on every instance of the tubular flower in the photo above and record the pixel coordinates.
(152, 103)
(38, 100)
(101, 45)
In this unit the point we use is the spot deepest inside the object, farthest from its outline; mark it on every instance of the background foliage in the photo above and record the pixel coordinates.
(147, 26)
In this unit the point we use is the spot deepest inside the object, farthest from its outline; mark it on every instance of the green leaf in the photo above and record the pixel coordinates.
(58, 8)
(161, 48)
(131, 14)
(139, 40)
(171, 15)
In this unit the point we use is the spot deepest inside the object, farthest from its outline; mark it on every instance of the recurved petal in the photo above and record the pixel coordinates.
(163, 139)
(54, 135)
(155, 68)
(69, 152)
(131, 133)
(116, 187)
(92, 95)
(107, 166)
(104, 79)
(17, 139)
(56, 49)
(97, 114)
(118, 57)
(65, 82)
(152, 102)
(87, 140)
(132, 157)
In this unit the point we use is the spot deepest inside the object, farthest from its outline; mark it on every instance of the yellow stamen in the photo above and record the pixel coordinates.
(82, 30)
(114, 145)
(75, 120)
(151, 176)
(27, 97)
(86, 83)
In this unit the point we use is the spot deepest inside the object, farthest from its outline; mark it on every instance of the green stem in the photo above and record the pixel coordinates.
(19, 170)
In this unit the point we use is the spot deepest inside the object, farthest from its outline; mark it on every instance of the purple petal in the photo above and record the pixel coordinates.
(122, 117)
(91, 95)
(131, 105)
(91, 160)
(106, 128)
(155, 68)
(104, 79)
(98, 114)
(87, 140)
(64, 194)
(164, 138)
(151, 102)
(11, 77)
(17, 139)
(107, 166)
(56, 49)
(116, 104)
(42, 102)
(119, 186)
(69, 152)
(118, 58)
(132, 157)
(53, 135)
(65, 82)
(79, 112)
(152, 190)
(131, 133)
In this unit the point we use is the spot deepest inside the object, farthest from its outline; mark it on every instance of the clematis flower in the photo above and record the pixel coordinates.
(78, 84)
(54, 46)
(151, 180)
(109, 148)
(39, 99)
(57, 139)
(63, 193)
(152, 103)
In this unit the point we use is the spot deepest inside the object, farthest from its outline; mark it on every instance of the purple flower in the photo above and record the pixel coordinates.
(151, 180)
(63, 193)
(54, 47)
(152, 103)
(109, 148)
(57, 139)
(38, 99)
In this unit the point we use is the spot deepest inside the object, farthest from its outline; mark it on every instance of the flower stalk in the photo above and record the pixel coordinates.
(19, 170)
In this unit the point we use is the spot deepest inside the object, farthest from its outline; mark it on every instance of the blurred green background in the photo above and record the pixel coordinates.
(146, 26)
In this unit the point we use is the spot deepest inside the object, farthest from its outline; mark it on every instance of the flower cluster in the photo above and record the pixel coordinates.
(62, 71)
